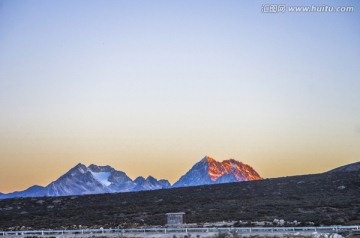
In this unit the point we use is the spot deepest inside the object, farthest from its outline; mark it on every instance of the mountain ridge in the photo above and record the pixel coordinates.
(314, 200)
(95, 179)
(346, 168)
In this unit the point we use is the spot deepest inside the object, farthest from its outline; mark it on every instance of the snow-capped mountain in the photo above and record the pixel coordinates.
(82, 180)
(96, 179)
(91, 180)
(210, 171)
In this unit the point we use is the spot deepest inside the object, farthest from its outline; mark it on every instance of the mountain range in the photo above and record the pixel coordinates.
(330, 198)
(96, 179)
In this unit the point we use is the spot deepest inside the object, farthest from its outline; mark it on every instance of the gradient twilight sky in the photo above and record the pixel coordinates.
(150, 87)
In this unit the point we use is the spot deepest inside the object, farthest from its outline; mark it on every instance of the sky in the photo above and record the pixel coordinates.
(151, 87)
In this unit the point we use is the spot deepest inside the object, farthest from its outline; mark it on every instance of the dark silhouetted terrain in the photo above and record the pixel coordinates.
(329, 198)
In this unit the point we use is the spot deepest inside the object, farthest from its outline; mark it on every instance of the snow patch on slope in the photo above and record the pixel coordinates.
(102, 177)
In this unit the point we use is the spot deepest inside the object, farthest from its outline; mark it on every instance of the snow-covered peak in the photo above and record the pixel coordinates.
(79, 168)
(208, 171)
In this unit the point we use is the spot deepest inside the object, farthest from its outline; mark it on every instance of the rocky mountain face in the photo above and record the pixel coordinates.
(210, 171)
(150, 183)
(94, 179)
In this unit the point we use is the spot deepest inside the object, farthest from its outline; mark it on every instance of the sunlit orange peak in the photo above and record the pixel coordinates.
(209, 159)
(241, 171)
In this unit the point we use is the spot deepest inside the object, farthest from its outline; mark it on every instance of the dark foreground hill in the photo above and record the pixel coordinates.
(329, 198)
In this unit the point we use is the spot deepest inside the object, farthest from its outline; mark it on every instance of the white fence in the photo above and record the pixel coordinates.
(320, 229)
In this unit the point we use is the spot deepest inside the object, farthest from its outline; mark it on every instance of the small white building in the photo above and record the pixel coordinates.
(175, 218)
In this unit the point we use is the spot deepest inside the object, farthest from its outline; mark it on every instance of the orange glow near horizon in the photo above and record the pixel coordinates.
(37, 171)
